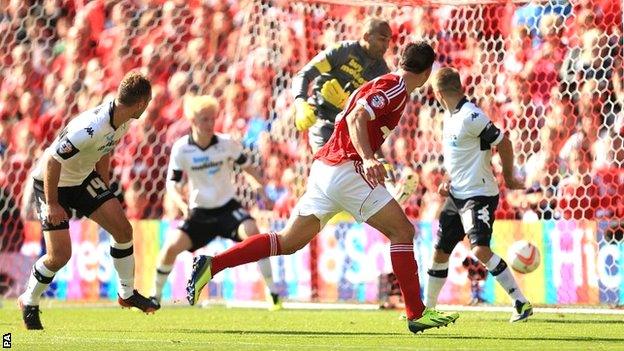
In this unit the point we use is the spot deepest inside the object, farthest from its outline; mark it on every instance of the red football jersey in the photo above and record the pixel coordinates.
(384, 98)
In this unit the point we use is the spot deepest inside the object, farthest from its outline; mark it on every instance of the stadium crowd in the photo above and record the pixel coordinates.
(550, 75)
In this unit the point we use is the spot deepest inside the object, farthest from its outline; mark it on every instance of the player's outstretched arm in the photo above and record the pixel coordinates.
(505, 150)
(318, 65)
(357, 121)
(52, 173)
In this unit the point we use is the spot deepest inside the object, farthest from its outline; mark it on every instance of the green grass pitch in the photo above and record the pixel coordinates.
(218, 328)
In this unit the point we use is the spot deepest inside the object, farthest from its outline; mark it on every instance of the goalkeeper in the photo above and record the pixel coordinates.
(336, 73)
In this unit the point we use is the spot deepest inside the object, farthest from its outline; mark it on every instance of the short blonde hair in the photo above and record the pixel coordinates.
(194, 104)
(447, 79)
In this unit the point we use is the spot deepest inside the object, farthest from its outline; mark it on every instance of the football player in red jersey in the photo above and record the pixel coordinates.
(345, 175)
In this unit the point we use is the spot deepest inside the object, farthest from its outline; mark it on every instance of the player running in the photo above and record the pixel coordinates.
(73, 173)
(472, 191)
(346, 176)
(208, 159)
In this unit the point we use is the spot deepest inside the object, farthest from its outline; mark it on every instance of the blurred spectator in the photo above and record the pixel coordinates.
(577, 193)
(138, 203)
(551, 76)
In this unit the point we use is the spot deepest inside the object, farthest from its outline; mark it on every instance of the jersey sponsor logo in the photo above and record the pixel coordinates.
(201, 159)
(377, 101)
(355, 70)
(484, 215)
(89, 131)
(213, 167)
(110, 143)
(474, 116)
(66, 149)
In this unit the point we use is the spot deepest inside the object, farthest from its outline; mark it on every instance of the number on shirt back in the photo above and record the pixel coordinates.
(386, 131)
(96, 183)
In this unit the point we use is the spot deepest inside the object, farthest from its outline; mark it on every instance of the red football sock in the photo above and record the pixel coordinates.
(249, 250)
(406, 271)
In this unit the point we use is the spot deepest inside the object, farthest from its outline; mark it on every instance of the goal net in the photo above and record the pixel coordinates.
(547, 72)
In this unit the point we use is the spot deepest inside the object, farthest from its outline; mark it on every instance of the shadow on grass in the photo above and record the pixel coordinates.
(394, 334)
(286, 332)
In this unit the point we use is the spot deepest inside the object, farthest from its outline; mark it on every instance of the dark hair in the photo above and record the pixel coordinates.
(133, 88)
(417, 57)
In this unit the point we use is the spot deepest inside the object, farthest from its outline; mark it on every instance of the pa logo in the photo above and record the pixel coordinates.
(6, 341)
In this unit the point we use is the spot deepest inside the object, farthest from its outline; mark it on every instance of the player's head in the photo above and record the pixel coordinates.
(134, 93)
(417, 58)
(376, 37)
(201, 111)
(446, 83)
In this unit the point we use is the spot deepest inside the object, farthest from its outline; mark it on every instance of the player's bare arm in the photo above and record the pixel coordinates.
(174, 190)
(52, 173)
(505, 150)
(357, 121)
(102, 167)
(255, 178)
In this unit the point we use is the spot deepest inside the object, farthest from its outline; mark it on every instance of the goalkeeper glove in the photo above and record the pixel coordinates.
(304, 115)
(333, 93)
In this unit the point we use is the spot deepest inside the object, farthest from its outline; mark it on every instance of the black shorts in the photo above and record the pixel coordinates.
(473, 217)
(205, 224)
(84, 199)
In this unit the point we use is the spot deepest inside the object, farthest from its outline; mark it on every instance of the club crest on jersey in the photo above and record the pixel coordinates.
(377, 101)
(66, 149)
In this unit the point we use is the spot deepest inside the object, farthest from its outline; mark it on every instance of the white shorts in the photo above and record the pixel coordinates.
(332, 189)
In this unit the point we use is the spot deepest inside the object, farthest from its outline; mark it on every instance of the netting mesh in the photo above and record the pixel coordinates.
(549, 73)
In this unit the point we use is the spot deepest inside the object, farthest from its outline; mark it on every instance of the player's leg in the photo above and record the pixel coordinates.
(479, 215)
(450, 232)
(312, 209)
(436, 276)
(246, 229)
(58, 253)
(110, 216)
(299, 232)
(179, 241)
(392, 222)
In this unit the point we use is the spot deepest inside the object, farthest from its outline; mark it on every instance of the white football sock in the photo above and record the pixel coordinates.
(267, 273)
(39, 280)
(498, 267)
(162, 272)
(123, 260)
(436, 277)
